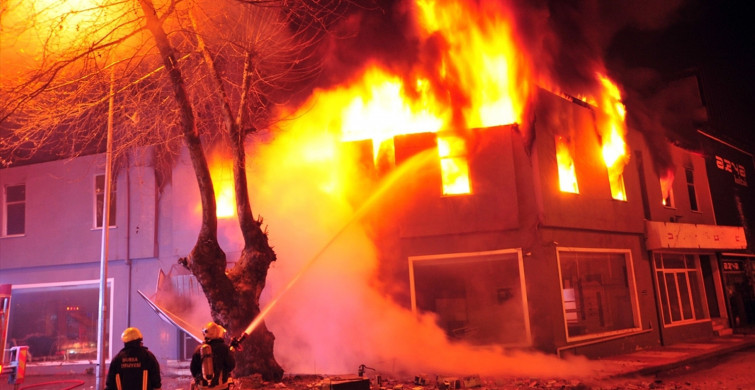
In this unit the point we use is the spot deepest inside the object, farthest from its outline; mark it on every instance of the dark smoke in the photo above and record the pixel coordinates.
(568, 41)
(384, 32)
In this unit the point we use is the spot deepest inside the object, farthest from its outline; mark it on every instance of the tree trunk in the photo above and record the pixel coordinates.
(233, 297)
(250, 272)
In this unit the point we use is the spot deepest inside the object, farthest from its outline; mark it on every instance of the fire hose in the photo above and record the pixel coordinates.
(236, 341)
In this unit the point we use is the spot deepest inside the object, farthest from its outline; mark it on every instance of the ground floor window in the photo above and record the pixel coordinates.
(58, 322)
(478, 297)
(187, 345)
(679, 284)
(598, 291)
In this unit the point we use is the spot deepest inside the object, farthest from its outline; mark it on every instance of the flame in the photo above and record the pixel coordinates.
(567, 176)
(479, 80)
(667, 179)
(38, 32)
(222, 180)
(613, 130)
(376, 107)
(481, 59)
(455, 178)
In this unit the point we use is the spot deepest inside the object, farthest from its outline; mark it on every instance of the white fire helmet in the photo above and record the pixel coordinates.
(131, 334)
(213, 331)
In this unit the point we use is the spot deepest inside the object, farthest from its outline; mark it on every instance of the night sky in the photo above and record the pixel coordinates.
(713, 39)
(645, 45)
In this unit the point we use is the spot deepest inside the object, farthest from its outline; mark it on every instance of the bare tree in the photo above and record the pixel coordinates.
(245, 58)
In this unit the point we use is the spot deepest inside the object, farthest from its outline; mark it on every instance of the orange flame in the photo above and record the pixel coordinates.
(613, 130)
(567, 177)
(376, 107)
(478, 81)
(451, 150)
(481, 59)
(222, 181)
(479, 78)
(666, 181)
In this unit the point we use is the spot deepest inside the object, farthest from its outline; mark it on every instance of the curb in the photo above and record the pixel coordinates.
(692, 359)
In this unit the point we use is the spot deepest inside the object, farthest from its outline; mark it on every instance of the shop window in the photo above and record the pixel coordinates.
(597, 292)
(14, 223)
(187, 345)
(99, 201)
(476, 297)
(690, 175)
(57, 322)
(680, 288)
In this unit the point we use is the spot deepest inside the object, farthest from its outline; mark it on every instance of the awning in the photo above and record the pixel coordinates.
(179, 301)
(191, 328)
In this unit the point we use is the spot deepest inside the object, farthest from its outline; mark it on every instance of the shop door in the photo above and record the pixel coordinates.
(739, 293)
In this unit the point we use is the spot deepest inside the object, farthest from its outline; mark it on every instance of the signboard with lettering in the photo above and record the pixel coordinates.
(731, 174)
(732, 266)
(661, 235)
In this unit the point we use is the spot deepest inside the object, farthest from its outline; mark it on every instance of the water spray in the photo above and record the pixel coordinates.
(416, 161)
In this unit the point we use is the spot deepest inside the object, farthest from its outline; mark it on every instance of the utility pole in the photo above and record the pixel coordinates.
(102, 324)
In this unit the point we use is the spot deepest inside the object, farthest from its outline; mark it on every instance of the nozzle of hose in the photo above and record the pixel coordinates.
(236, 342)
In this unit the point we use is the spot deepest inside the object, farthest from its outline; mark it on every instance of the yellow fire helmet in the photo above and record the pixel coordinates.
(131, 334)
(213, 331)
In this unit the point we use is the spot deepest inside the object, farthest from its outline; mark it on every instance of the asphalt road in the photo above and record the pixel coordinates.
(732, 371)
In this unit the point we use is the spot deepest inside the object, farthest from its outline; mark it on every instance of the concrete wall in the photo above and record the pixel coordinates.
(60, 215)
(62, 246)
(593, 207)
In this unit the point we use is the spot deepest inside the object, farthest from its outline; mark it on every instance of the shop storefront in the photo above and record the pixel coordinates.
(738, 278)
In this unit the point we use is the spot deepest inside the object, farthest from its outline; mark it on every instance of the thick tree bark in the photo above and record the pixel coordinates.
(250, 272)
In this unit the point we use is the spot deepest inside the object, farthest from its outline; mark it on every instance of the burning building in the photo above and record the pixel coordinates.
(468, 195)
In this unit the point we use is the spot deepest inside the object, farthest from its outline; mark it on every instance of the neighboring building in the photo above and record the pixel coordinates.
(51, 250)
(597, 265)
(731, 172)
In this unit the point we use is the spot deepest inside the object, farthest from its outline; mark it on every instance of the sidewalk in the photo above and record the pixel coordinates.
(653, 361)
(645, 363)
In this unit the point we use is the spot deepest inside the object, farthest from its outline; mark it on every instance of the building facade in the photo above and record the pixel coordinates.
(547, 249)
(599, 265)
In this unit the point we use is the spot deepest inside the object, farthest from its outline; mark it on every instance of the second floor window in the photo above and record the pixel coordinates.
(690, 174)
(99, 201)
(668, 195)
(15, 210)
(567, 176)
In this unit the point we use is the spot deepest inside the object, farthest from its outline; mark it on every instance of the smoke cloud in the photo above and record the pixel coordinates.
(334, 318)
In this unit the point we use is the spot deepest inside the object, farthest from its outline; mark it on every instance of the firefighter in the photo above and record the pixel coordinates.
(134, 367)
(213, 360)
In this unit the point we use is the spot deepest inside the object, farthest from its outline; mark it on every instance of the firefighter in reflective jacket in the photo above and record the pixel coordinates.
(134, 367)
(213, 360)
